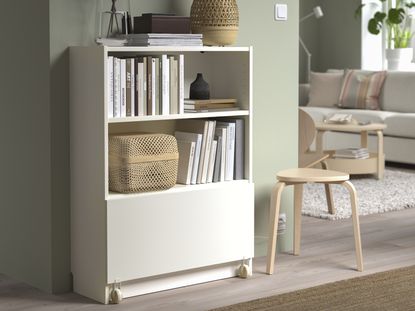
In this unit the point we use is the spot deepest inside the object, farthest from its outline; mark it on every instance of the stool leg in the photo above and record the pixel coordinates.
(298, 202)
(273, 225)
(329, 195)
(356, 226)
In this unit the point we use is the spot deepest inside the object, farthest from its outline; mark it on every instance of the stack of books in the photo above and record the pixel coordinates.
(163, 39)
(209, 105)
(352, 153)
(210, 151)
(145, 85)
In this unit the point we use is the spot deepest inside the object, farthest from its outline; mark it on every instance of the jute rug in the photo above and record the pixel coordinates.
(391, 290)
(395, 192)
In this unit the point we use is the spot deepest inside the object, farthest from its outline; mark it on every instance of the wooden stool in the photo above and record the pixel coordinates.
(297, 177)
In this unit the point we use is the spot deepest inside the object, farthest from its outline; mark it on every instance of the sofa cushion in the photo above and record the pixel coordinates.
(361, 90)
(398, 92)
(401, 125)
(325, 89)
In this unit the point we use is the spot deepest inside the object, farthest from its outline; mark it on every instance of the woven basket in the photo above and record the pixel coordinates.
(142, 162)
(217, 20)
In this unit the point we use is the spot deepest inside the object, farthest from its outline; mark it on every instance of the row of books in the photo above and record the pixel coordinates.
(210, 150)
(145, 85)
(352, 153)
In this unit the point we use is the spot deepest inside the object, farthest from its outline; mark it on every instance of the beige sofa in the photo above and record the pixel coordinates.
(397, 103)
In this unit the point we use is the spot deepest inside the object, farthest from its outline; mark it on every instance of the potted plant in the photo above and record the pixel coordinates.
(397, 21)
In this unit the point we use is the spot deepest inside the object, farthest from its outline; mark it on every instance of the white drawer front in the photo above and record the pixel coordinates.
(156, 234)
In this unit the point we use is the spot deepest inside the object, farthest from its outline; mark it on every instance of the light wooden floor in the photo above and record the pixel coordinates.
(327, 255)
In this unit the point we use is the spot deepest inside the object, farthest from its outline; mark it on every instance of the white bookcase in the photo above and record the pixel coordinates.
(159, 240)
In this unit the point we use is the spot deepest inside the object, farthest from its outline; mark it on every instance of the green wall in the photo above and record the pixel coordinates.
(25, 157)
(334, 40)
(35, 222)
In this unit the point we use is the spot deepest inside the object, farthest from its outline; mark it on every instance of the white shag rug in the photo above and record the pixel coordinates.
(395, 192)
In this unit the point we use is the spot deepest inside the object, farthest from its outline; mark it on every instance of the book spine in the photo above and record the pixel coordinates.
(132, 90)
(174, 108)
(140, 89)
(117, 87)
(181, 83)
(239, 149)
(209, 141)
(128, 87)
(202, 152)
(190, 163)
(150, 86)
(123, 89)
(157, 87)
(165, 84)
(110, 86)
(136, 86)
(145, 86)
(216, 169)
(231, 155)
(212, 161)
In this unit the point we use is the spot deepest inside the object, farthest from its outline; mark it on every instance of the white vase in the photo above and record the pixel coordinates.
(399, 59)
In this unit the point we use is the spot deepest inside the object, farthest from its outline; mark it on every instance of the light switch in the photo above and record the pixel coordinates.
(281, 12)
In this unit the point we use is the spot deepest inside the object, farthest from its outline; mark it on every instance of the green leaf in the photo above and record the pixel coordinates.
(410, 4)
(379, 16)
(358, 11)
(374, 26)
(396, 16)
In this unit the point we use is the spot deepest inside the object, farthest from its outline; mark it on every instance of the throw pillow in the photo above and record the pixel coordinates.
(325, 89)
(361, 89)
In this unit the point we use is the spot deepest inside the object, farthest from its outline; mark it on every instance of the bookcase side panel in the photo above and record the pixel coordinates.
(88, 136)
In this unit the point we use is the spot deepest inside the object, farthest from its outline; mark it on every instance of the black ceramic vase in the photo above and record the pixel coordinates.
(199, 89)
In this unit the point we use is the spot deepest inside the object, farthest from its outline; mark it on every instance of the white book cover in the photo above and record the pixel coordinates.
(209, 141)
(110, 80)
(222, 131)
(153, 86)
(212, 158)
(157, 83)
(174, 85)
(230, 150)
(140, 89)
(132, 70)
(180, 65)
(197, 138)
(186, 157)
(201, 127)
(165, 85)
(218, 160)
(123, 88)
(117, 87)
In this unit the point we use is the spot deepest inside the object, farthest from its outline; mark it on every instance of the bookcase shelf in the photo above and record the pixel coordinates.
(196, 115)
(157, 240)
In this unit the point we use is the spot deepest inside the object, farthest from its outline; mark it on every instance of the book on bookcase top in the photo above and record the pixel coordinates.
(197, 139)
(186, 157)
(110, 82)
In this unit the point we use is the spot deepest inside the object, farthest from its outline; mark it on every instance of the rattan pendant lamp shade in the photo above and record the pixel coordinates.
(217, 20)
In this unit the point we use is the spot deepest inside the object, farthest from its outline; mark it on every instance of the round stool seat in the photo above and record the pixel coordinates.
(305, 175)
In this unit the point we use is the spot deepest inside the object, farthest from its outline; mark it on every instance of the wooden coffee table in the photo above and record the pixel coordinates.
(375, 164)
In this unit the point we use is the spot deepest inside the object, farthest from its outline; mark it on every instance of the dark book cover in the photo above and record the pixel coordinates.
(161, 23)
